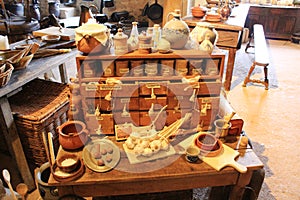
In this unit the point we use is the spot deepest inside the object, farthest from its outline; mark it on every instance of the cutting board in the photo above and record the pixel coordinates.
(225, 158)
(66, 33)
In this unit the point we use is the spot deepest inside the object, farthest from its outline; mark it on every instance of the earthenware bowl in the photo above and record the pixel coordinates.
(67, 162)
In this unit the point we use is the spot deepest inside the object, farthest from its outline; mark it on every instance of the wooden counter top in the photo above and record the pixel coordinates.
(235, 22)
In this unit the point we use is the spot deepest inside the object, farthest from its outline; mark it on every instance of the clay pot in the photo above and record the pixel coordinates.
(176, 30)
(206, 142)
(92, 38)
(72, 134)
(198, 11)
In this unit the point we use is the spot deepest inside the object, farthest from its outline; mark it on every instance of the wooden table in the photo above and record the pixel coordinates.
(36, 68)
(230, 35)
(172, 173)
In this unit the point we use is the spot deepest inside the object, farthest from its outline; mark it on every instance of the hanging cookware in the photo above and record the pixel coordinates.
(155, 11)
(145, 10)
(121, 15)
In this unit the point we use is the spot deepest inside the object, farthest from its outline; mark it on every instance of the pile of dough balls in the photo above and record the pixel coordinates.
(147, 146)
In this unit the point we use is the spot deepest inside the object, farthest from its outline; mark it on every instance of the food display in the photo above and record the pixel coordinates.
(101, 155)
(141, 147)
(146, 146)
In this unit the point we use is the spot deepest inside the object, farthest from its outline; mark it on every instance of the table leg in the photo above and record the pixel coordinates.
(15, 148)
(238, 189)
(229, 68)
(63, 73)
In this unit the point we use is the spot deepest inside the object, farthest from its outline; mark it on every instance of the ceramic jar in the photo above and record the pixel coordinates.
(145, 43)
(72, 134)
(210, 37)
(42, 175)
(163, 46)
(202, 28)
(35, 11)
(225, 10)
(53, 8)
(92, 38)
(176, 30)
(120, 43)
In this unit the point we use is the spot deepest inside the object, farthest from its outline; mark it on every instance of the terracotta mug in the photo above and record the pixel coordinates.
(72, 134)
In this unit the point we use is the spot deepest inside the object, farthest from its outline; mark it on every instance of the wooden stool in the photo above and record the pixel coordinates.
(261, 55)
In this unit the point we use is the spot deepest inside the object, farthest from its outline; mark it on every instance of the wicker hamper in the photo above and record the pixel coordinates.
(39, 108)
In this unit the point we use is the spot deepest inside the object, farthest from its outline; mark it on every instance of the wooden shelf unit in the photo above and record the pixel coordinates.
(109, 85)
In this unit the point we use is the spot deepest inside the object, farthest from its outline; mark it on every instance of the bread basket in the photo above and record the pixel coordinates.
(5, 74)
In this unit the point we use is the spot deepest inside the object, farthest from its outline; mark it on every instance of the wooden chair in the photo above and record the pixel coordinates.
(261, 55)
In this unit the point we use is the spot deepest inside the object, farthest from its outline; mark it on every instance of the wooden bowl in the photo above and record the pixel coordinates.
(51, 38)
(67, 162)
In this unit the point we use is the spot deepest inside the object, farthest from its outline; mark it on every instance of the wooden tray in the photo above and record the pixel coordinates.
(134, 159)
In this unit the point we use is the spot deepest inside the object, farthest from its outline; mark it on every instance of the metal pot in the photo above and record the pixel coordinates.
(118, 16)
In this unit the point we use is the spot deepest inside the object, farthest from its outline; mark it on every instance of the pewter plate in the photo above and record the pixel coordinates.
(92, 163)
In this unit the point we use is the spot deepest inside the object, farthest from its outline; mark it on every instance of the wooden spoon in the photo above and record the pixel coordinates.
(22, 189)
(6, 177)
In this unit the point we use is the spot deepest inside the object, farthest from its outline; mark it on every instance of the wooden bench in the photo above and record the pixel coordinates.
(261, 55)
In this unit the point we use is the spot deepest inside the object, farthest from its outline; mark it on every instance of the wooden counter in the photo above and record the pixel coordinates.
(36, 68)
(279, 22)
(230, 35)
(172, 173)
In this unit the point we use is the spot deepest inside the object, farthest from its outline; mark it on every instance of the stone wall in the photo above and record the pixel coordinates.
(134, 7)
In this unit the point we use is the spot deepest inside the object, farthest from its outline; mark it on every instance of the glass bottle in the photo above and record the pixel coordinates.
(133, 41)
(156, 35)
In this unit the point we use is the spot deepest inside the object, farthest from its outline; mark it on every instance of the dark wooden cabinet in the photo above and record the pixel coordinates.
(278, 22)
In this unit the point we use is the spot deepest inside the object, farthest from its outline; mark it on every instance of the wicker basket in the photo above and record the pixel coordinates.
(47, 110)
(6, 74)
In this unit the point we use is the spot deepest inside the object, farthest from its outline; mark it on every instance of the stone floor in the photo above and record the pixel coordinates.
(271, 119)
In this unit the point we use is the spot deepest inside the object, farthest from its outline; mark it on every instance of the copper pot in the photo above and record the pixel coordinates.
(72, 134)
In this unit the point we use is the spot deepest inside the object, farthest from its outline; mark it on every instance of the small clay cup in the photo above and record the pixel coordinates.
(192, 154)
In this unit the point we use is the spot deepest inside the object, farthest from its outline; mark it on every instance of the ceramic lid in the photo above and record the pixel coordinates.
(120, 35)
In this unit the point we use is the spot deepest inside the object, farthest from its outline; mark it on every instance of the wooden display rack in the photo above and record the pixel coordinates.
(116, 91)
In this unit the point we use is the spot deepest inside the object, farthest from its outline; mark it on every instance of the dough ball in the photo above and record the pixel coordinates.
(108, 158)
(97, 155)
(103, 151)
(110, 150)
(138, 149)
(129, 144)
(155, 145)
(147, 152)
(100, 162)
